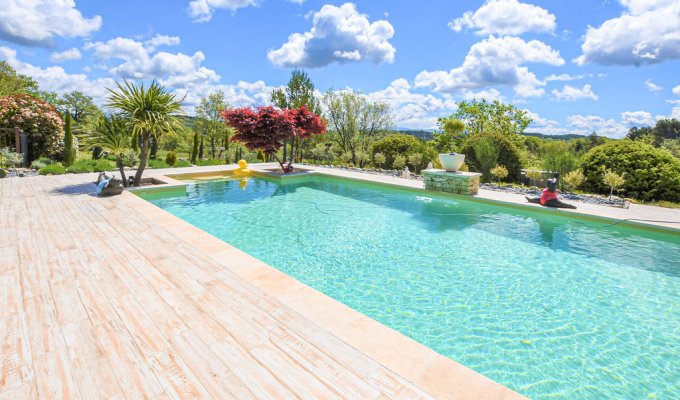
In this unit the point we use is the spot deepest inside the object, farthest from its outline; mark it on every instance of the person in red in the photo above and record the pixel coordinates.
(549, 195)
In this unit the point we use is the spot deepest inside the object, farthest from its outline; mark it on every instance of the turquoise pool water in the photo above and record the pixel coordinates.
(554, 309)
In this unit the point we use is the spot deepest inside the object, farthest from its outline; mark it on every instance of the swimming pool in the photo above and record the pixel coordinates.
(549, 306)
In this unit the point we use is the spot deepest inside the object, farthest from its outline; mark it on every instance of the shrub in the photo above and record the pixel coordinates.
(3, 173)
(182, 164)
(103, 165)
(396, 145)
(157, 164)
(52, 169)
(379, 159)
(650, 173)
(210, 162)
(486, 153)
(613, 180)
(399, 161)
(130, 159)
(41, 162)
(557, 156)
(574, 179)
(36, 117)
(415, 160)
(508, 154)
(499, 172)
(81, 166)
(68, 154)
(171, 158)
(534, 175)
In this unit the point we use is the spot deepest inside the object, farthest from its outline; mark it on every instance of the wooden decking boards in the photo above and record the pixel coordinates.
(99, 301)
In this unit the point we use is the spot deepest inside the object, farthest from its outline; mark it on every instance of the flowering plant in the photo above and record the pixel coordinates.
(38, 118)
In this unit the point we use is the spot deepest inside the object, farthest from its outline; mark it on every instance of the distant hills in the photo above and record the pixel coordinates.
(426, 134)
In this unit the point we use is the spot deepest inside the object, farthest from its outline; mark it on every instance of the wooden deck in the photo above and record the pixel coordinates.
(98, 300)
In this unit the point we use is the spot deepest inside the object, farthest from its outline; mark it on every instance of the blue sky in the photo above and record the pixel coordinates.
(577, 65)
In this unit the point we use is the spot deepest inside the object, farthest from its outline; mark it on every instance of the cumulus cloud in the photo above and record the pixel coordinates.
(495, 61)
(676, 90)
(505, 17)
(637, 118)
(585, 124)
(489, 95)
(338, 35)
(413, 110)
(37, 22)
(646, 33)
(202, 10)
(571, 93)
(563, 77)
(66, 55)
(651, 86)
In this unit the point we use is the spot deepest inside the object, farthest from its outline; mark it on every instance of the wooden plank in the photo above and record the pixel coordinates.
(10, 294)
(15, 352)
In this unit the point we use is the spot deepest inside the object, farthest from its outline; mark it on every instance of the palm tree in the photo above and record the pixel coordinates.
(111, 134)
(149, 112)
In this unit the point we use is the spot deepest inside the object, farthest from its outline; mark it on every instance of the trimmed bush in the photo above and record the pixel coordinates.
(41, 162)
(650, 173)
(104, 165)
(182, 164)
(157, 164)
(395, 145)
(52, 169)
(508, 154)
(210, 162)
(171, 158)
(81, 167)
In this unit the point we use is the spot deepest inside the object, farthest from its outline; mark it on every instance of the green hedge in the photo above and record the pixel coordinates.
(508, 155)
(54, 169)
(394, 145)
(650, 173)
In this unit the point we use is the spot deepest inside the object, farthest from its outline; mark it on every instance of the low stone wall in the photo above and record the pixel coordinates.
(451, 182)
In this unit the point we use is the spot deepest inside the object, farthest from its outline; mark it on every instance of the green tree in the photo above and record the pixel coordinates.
(379, 159)
(450, 134)
(211, 124)
(574, 179)
(613, 180)
(483, 116)
(394, 145)
(399, 161)
(486, 153)
(298, 92)
(416, 159)
(69, 154)
(13, 83)
(111, 134)
(508, 154)
(150, 112)
(557, 156)
(194, 148)
(355, 120)
(78, 105)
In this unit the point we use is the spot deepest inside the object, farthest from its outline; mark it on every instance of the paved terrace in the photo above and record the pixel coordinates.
(113, 298)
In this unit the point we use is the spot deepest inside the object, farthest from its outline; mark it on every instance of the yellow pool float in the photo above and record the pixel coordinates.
(242, 170)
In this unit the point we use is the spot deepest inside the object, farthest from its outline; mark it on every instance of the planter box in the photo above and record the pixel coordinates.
(451, 162)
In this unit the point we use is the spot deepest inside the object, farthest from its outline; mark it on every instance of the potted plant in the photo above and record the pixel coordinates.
(446, 140)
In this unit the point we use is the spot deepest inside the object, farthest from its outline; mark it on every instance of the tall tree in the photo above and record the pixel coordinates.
(299, 92)
(483, 116)
(13, 83)
(355, 120)
(79, 105)
(111, 134)
(211, 124)
(150, 111)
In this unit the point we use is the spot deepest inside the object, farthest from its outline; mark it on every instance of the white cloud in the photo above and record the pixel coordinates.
(563, 77)
(647, 33)
(637, 118)
(338, 34)
(413, 110)
(676, 90)
(505, 17)
(571, 93)
(585, 124)
(56, 79)
(37, 22)
(202, 10)
(161, 40)
(66, 55)
(495, 61)
(489, 95)
(651, 86)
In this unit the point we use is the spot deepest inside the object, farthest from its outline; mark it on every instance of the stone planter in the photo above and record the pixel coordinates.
(451, 162)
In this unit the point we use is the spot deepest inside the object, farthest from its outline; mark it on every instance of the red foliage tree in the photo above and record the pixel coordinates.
(265, 128)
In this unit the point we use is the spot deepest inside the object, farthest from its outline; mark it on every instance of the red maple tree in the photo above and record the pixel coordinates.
(265, 128)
